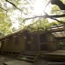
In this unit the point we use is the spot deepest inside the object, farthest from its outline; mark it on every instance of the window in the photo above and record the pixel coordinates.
(42, 38)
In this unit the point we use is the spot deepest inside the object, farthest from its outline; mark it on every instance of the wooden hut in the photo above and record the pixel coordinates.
(36, 41)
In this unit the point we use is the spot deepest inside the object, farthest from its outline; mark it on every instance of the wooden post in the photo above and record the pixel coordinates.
(38, 39)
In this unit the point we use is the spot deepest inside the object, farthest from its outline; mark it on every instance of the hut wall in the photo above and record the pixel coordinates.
(50, 42)
(31, 42)
(14, 44)
(43, 42)
(34, 43)
(20, 44)
(4, 45)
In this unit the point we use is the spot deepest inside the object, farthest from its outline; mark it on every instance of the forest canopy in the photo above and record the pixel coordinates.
(16, 15)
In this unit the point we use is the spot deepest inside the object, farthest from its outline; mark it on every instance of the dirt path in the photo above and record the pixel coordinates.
(5, 59)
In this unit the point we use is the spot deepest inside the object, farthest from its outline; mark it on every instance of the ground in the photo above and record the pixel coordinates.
(39, 62)
(5, 59)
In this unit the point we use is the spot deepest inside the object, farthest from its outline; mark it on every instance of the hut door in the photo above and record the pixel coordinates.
(28, 42)
(34, 44)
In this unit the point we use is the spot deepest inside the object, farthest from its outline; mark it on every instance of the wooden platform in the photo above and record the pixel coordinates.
(17, 62)
(56, 55)
(58, 52)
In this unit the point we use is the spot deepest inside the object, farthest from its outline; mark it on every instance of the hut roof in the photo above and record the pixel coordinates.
(56, 30)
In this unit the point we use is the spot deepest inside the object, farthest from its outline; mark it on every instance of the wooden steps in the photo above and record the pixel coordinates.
(28, 60)
(28, 56)
(32, 57)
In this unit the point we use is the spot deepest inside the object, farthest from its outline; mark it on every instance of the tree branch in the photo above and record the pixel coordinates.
(3, 9)
(46, 16)
(57, 20)
(13, 5)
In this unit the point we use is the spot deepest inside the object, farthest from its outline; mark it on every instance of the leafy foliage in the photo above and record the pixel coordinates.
(5, 23)
(23, 9)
